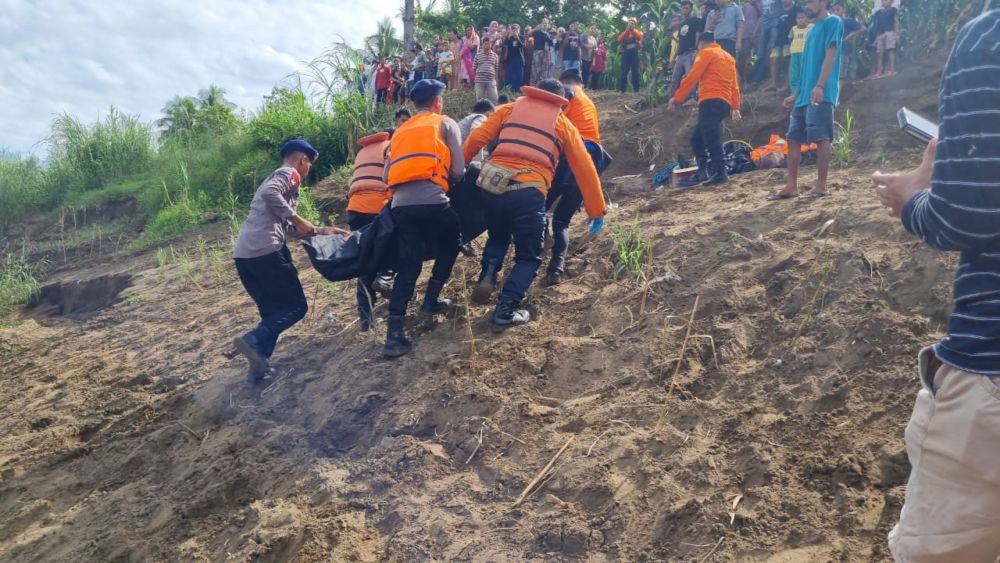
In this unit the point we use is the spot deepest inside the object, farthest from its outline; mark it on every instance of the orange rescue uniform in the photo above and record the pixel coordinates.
(418, 152)
(632, 33)
(582, 112)
(714, 71)
(571, 144)
(368, 192)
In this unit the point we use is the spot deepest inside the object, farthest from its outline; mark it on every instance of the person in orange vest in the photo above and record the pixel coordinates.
(714, 72)
(630, 47)
(425, 155)
(564, 198)
(531, 135)
(367, 195)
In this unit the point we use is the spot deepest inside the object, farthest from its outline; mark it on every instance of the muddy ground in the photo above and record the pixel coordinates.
(773, 432)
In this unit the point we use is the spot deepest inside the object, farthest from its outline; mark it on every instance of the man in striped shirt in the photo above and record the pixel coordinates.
(952, 508)
(485, 69)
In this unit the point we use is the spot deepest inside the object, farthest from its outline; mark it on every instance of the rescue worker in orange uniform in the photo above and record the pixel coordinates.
(564, 197)
(367, 196)
(425, 155)
(714, 72)
(630, 47)
(531, 134)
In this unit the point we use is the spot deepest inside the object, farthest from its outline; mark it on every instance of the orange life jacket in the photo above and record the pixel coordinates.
(582, 112)
(777, 144)
(417, 152)
(368, 192)
(529, 134)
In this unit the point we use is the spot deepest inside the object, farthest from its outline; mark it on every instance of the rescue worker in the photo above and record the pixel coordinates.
(630, 47)
(367, 196)
(531, 134)
(263, 261)
(714, 72)
(425, 153)
(564, 198)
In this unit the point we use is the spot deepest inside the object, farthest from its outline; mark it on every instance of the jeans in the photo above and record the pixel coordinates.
(765, 41)
(364, 292)
(596, 79)
(706, 141)
(811, 124)
(729, 45)
(568, 64)
(273, 283)
(381, 95)
(682, 66)
(630, 64)
(585, 71)
(419, 229)
(517, 215)
(487, 91)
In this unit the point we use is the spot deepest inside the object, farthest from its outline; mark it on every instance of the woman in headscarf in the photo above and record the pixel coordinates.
(470, 44)
(456, 50)
(513, 54)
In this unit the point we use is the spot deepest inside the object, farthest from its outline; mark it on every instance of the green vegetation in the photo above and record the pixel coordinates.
(18, 282)
(843, 142)
(632, 251)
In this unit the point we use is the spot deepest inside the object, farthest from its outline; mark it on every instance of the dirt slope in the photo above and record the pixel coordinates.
(126, 435)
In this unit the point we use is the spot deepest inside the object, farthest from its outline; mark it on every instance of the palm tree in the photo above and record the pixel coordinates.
(409, 21)
(213, 96)
(179, 114)
(383, 43)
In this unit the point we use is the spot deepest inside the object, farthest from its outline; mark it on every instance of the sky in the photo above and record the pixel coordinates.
(82, 57)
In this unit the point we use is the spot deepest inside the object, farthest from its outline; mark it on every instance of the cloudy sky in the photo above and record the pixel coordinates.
(82, 57)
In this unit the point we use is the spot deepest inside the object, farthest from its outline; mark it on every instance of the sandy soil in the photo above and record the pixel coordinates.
(773, 434)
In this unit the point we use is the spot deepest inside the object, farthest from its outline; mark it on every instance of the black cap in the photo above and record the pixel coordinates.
(426, 90)
(299, 145)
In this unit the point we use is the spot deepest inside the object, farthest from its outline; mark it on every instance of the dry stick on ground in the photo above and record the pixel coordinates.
(479, 444)
(601, 435)
(188, 428)
(469, 333)
(541, 474)
(826, 259)
(709, 554)
(687, 336)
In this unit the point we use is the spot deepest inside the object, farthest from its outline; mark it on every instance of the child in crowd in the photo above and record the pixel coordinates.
(600, 62)
(886, 23)
(445, 63)
(797, 45)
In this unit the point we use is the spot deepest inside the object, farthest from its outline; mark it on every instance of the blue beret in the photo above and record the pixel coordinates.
(425, 90)
(299, 145)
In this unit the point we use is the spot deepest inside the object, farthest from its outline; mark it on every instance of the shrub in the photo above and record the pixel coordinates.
(22, 187)
(171, 221)
(18, 282)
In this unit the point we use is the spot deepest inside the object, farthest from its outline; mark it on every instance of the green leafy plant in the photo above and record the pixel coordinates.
(632, 251)
(844, 140)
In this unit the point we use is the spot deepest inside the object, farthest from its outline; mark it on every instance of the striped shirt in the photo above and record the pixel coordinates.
(961, 210)
(486, 67)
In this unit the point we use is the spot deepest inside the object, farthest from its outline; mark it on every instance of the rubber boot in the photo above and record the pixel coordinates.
(432, 300)
(364, 317)
(507, 315)
(554, 277)
(396, 343)
(487, 284)
(718, 176)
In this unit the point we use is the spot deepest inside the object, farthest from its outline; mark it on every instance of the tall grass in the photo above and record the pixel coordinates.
(632, 251)
(843, 143)
(18, 282)
(22, 187)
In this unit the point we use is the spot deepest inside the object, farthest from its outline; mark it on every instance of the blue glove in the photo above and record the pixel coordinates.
(596, 225)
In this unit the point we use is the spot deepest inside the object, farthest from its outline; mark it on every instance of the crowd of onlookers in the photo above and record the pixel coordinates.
(766, 37)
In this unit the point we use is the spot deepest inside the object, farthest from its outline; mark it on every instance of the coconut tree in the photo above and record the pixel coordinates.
(384, 43)
(409, 21)
(213, 96)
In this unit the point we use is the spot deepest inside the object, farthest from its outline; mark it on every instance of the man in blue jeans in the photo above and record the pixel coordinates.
(814, 99)
(770, 14)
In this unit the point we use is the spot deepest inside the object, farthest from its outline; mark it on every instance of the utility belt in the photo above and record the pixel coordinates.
(499, 180)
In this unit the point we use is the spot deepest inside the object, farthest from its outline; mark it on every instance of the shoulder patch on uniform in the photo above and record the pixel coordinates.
(294, 180)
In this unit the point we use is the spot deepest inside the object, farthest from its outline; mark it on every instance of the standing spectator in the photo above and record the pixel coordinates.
(485, 71)
(630, 45)
(383, 79)
(886, 23)
(513, 56)
(555, 36)
(766, 38)
(540, 55)
(529, 53)
(797, 45)
(687, 45)
(815, 98)
(470, 44)
(782, 45)
(952, 508)
(569, 47)
(600, 62)
(399, 81)
(456, 54)
(852, 28)
(446, 65)
(587, 45)
(727, 25)
(751, 29)
(714, 73)
(419, 63)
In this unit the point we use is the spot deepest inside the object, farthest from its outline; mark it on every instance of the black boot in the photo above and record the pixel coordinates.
(700, 176)
(554, 277)
(364, 317)
(487, 283)
(507, 315)
(396, 343)
(718, 175)
(432, 300)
